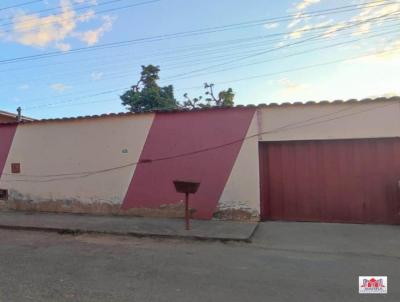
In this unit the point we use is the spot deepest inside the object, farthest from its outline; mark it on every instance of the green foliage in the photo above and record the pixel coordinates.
(194, 103)
(147, 95)
(224, 99)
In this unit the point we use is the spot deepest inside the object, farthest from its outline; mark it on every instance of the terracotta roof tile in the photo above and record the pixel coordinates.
(262, 105)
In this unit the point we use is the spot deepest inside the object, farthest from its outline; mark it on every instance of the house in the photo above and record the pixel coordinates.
(317, 161)
(6, 117)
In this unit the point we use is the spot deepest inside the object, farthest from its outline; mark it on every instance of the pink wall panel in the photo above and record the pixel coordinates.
(6, 137)
(176, 134)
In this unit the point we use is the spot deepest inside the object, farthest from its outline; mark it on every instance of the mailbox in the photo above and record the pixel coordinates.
(186, 187)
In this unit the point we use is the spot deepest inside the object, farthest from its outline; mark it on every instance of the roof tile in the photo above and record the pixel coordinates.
(262, 105)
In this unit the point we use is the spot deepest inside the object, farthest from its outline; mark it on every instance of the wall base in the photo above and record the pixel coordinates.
(102, 208)
(95, 208)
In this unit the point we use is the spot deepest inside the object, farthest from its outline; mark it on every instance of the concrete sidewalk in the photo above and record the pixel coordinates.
(333, 238)
(133, 226)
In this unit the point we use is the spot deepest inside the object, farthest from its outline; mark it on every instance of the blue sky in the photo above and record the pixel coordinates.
(264, 59)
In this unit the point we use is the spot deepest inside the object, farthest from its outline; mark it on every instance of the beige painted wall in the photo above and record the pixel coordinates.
(70, 147)
(331, 121)
(242, 190)
(95, 144)
(299, 122)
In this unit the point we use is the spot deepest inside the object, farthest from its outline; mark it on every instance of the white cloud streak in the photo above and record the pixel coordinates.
(57, 30)
(375, 11)
(271, 25)
(96, 75)
(59, 87)
(306, 3)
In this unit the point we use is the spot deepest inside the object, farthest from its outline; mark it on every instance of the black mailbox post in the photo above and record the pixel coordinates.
(186, 187)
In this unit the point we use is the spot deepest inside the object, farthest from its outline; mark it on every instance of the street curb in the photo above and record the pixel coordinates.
(250, 238)
(70, 231)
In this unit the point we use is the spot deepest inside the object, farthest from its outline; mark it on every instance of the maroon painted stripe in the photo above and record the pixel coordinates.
(182, 133)
(7, 133)
(353, 181)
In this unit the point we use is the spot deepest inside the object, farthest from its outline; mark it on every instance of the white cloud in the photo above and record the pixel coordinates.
(63, 46)
(386, 52)
(305, 3)
(300, 16)
(92, 2)
(24, 87)
(298, 32)
(378, 14)
(362, 29)
(290, 87)
(59, 87)
(332, 31)
(87, 16)
(296, 20)
(96, 75)
(91, 37)
(280, 44)
(271, 25)
(391, 94)
(54, 30)
(368, 16)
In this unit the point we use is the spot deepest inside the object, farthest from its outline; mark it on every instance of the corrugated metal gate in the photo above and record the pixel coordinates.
(352, 181)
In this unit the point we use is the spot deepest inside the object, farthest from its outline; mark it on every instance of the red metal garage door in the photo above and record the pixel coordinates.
(331, 181)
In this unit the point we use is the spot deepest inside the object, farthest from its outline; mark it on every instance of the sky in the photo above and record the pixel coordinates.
(62, 58)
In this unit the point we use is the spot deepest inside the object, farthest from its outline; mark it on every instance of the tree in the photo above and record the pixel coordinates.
(193, 103)
(147, 95)
(224, 99)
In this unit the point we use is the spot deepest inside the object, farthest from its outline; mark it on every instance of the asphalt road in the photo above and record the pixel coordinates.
(287, 262)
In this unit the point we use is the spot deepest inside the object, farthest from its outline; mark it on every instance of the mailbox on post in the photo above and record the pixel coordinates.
(186, 187)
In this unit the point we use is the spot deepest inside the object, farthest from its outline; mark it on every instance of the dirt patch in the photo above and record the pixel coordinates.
(235, 214)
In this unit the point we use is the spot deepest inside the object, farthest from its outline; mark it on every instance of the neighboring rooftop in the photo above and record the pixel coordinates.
(8, 117)
(286, 104)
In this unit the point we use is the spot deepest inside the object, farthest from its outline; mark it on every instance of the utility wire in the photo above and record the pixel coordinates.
(70, 100)
(292, 55)
(118, 74)
(29, 27)
(20, 5)
(55, 8)
(80, 98)
(217, 83)
(283, 46)
(211, 55)
(125, 74)
(223, 43)
(296, 125)
(201, 58)
(150, 39)
(305, 67)
(298, 68)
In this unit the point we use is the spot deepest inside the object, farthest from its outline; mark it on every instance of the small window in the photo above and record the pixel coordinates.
(3, 194)
(16, 168)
